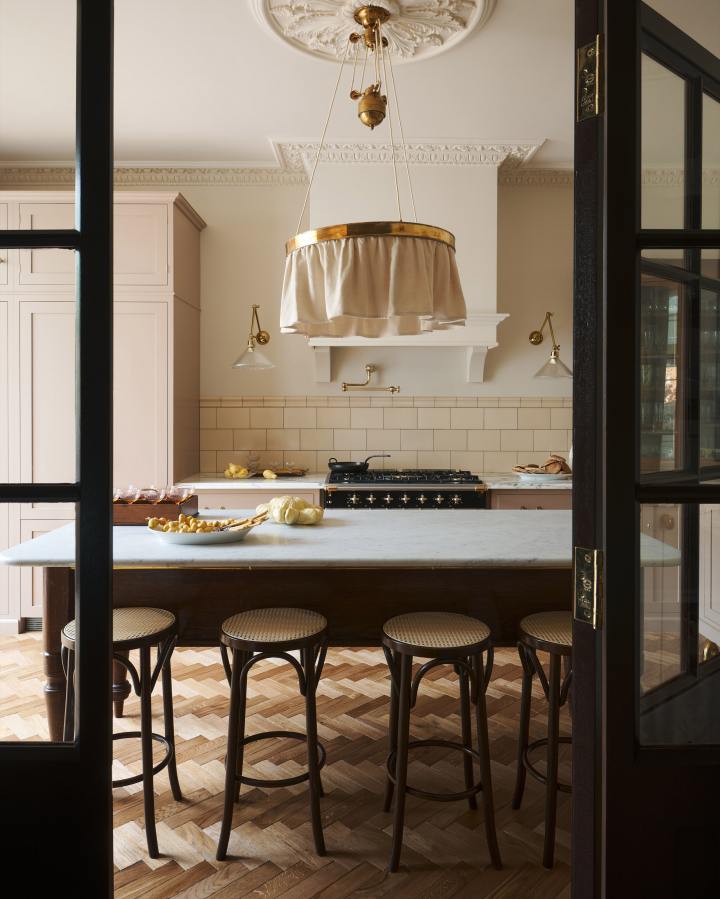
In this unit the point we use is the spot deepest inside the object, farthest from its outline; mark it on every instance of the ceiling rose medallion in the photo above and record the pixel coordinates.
(417, 28)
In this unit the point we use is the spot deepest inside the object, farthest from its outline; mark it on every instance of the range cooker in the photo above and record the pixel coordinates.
(423, 488)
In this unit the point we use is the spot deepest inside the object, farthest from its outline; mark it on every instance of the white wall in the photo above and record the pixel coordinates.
(242, 263)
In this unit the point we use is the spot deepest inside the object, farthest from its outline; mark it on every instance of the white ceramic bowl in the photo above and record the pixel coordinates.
(208, 538)
(542, 477)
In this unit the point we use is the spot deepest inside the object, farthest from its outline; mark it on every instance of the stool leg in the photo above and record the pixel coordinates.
(121, 687)
(466, 733)
(303, 661)
(231, 757)
(242, 659)
(524, 727)
(485, 772)
(401, 759)
(69, 723)
(551, 789)
(308, 657)
(392, 728)
(147, 753)
(170, 725)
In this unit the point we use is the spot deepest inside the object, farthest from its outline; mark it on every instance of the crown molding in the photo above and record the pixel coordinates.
(536, 178)
(153, 176)
(414, 31)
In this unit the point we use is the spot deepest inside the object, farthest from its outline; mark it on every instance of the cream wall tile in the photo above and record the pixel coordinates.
(273, 401)
(535, 457)
(359, 401)
(441, 401)
(484, 440)
(224, 458)
(488, 402)
(208, 461)
(433, 418)
(500, 462)
(450, 440)
(467, 418)
(366, 418)
(416, 440)
(402, 401)
(560, 418)
(246, 400)
(400, 418)
(500, 418)
(296, 401)
(548, 401)
(333, 418)
(551, 440)
(210, 401)
(266, 418)
(283, 439)
(516, 440)
(531, 401)
(380, 401)
(567, 401)
(424, 401)
(312, 439)
(208, 417)
(533, 419)
(468, 461)
(300, 418)
(317, 401)
(338, 401)
(433, 460)
(383, 440)
(467, 402)
(215, 439)
(348, 439)
(238, 417)
(510, 401)
(250, 440)
(404, 459)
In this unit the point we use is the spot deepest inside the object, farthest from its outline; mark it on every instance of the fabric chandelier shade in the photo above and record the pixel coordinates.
(371, 279)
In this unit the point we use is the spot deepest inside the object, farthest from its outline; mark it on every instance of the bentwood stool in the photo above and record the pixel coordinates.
(272, 634)
(445, 638)
(549, 632)
(141, 629)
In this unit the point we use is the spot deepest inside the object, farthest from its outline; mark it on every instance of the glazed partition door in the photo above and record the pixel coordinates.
(56, 797)
(646, 753)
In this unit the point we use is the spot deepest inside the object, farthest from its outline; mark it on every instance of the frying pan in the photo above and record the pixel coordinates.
(353, 467)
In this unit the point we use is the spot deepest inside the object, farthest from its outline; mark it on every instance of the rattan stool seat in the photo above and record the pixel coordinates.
(271, 625)
(436, 630)
(131, 624)
(549, 627)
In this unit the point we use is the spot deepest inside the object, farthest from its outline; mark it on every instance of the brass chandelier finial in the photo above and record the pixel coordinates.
(372, 107)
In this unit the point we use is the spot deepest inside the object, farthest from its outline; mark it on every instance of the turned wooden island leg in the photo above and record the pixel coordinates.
(58, 606)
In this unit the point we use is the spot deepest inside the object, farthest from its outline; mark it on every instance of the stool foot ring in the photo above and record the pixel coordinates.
(425, 794)
(163, 763)
(286, 781)
(538, 775)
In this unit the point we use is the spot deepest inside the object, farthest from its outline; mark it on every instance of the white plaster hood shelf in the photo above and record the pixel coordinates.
(476, 338)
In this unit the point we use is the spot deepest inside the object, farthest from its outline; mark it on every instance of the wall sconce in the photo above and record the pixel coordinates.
(554, 367)
(251, 357)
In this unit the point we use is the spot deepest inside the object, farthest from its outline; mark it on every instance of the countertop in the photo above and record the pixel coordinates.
(407, 538)
(216, 483)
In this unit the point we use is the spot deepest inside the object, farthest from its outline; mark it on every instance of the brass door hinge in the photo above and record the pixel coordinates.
(589, 80)
(589, 590)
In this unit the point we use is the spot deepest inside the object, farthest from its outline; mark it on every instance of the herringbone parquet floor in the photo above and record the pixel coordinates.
(444, 853)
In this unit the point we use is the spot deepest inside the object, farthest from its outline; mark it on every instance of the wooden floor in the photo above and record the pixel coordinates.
(444, 853)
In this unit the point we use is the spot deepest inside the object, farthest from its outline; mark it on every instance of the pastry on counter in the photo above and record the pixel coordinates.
(554, 464)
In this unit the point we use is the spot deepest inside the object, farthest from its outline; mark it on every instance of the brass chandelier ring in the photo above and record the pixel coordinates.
(369, 229)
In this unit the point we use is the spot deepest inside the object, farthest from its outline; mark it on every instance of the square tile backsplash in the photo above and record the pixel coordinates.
(483, 434)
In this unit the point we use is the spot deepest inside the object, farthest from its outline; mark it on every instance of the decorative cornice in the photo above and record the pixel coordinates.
(536, 178)
(415, 30)
(64, 176)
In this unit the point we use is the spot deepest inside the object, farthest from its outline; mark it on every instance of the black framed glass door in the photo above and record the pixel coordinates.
(56, 797)
(647, 756)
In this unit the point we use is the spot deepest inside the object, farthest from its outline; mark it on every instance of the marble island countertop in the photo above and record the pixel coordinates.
(407, 538)
(216, 483)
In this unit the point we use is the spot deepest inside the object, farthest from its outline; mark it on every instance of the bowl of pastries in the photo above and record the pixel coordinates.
(194, 531)
(554, 468)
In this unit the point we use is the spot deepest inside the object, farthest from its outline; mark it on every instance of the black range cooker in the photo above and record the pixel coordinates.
(408, 488)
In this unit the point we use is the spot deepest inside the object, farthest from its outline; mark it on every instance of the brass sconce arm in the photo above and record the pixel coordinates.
(536, 337)
(369, 371)
(257, 336)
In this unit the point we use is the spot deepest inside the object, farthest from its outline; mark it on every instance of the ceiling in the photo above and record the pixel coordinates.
(204, 82)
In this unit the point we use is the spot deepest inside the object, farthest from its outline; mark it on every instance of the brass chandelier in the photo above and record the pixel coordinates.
(371, 279)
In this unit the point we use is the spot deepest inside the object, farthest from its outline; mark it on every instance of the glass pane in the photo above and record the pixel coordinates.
(680, 625)
(711, 163)
(662, 146)
(661, 425)
(710, 264)
(709, 378)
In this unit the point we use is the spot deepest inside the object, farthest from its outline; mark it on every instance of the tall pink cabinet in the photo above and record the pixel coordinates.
(156, 360)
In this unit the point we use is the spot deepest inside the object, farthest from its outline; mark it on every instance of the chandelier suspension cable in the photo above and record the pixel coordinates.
(402, 136)
(322, 139)
(381, 54)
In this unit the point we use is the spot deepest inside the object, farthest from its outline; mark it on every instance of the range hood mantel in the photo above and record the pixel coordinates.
(477, 337)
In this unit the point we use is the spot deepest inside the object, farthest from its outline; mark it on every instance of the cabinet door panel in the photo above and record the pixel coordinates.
(249, 499)
(140, 394)
(141, 244)
(531, 499)
(46, 267)
(31, 579)
(47, 398)
(3, 252)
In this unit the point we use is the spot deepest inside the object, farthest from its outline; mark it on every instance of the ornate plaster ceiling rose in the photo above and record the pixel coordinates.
(416, 29)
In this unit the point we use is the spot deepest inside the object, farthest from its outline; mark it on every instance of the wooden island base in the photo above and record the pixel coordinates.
(355, 601)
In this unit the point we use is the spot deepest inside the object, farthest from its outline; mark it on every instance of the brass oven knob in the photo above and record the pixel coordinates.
(405, 499)
(354, 499)
(387, 499)
(422, 499)
(372, 499)
(439, 499)
(456, 499)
